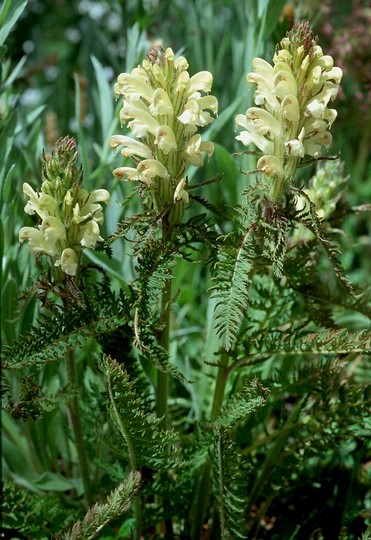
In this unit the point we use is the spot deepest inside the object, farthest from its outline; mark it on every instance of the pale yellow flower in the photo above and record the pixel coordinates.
(164, 107)
(292, 117)
(68, 262)
(180, 194)
(70, 216)
(39, 203)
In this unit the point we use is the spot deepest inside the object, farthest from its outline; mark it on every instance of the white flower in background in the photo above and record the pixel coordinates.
(292, 118)
(164, 108)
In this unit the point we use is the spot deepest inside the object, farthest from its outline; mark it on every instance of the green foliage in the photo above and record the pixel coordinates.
(147, 444)
(233, 273)
(229, 487)
(38, 516)
(266, 379)
(61, 330)
(118, 502)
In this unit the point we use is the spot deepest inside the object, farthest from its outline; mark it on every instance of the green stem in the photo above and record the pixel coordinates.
(162, 389)
(75, 417)
(203, 487)
(221, 381)
(273, 456)
(132, 458)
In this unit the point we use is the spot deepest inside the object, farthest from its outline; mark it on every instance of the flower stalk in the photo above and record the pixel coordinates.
(78, 432)
(69, 219)
(164, 107)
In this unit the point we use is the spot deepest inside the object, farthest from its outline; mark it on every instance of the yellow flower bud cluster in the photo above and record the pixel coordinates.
(69, 216)
(164, 107)
(291, 118)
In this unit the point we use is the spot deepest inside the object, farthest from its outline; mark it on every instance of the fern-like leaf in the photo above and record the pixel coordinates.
(229, 486)
(233, 275)
(118, 502)
(50, 343)
(327, 342)
(252, 396)
(148, 445)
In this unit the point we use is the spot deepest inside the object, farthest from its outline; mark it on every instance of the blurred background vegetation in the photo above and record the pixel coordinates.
(59, 64)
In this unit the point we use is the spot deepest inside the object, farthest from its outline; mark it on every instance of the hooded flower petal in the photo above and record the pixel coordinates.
(132, 147)
(68, 262)
(126, 173)
(149, 168)
(161, 103)
(271, 166)
(180, 194)
(165, 139)
(89, 234)
(201, 81)
(36, 241)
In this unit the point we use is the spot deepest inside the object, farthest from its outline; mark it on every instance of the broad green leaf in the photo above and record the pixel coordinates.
(105, 98)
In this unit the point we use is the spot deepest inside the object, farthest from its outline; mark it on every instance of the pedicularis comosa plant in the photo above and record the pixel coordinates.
(218, 431)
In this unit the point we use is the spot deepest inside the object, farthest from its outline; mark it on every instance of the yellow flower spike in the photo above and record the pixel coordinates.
(70, 216)
(291, 117)
(164, 107)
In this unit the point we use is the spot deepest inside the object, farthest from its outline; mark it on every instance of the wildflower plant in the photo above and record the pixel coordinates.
(186, 405)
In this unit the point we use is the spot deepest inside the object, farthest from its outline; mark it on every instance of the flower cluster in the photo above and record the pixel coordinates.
(164, 108)
(324, 191)
(69, 215)
(291, 118)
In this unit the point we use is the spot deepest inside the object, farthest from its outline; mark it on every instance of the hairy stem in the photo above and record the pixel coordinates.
(203, 487)
(75, 418)
(132, 458)
(162, 388)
